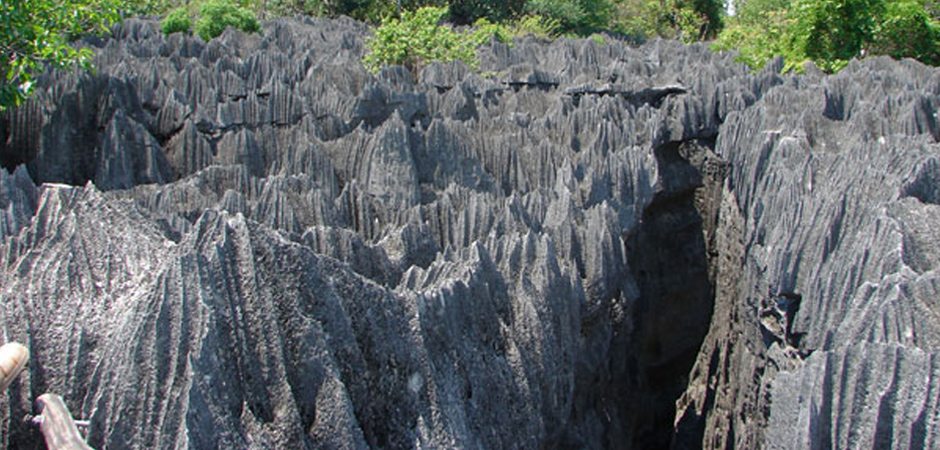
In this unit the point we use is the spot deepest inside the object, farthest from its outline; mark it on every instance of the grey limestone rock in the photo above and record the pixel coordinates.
(256, 243)
(829, 232)
(18, 200)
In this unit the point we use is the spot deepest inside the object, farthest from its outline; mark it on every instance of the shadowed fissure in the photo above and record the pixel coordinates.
(671, 259)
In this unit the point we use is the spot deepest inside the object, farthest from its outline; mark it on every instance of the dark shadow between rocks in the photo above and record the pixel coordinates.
(672, 265)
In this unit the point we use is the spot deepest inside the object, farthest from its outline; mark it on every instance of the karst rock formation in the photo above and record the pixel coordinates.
(255, 243)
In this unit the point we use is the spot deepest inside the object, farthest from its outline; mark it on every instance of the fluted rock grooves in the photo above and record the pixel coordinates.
(254, 243)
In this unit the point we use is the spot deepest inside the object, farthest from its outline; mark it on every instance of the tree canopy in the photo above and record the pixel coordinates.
(38, 32)
(832, 32)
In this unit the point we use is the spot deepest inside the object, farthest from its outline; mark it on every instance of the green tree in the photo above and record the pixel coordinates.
(759, 32)
(576, 16)
(469, 11)
(366, 10)
(832, 32)
(688, 20)
(39, 32)
(907, 30)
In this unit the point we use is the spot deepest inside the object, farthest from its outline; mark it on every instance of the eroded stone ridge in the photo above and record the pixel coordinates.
(255, 243)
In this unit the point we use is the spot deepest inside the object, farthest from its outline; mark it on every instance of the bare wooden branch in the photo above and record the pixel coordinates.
(57, 426)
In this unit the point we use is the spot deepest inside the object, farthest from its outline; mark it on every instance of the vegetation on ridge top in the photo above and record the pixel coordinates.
(38, 33)
(832, 32)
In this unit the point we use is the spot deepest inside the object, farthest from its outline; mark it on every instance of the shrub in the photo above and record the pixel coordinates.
(484, 30)
(149, 7)
(177, 21)
(538, 26)
(217, 15)
(418, 38)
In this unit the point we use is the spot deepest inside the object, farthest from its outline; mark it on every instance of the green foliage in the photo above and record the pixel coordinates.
(418, 38)
(711, 14)
(576, 16)
(689, 24)
(754, 11)
(365, 10)
(637, 18)
(907, 30)
(759, 32)
(177, 21)
(538, 26)
(469, 11)
(688, 20)
(463, 12)
(150, 7)
(295, 7)
(217, 15)
(37, 32)
(484, 30)
(569, 12)
(831, 32)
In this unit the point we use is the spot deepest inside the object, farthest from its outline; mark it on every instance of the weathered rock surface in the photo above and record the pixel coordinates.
(826, 308)
(255, 243)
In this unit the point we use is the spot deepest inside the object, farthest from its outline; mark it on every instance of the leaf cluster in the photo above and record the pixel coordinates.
(211, 19)
(366, 10)
(831, 32)
(687, 20)
(581, 17)
(536, 25)
(40, 32)
(908, 30)
(177, 21)
(217, 15)
(420, 37)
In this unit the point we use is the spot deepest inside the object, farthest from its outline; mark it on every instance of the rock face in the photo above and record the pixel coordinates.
(255, 243)
(825, 316)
